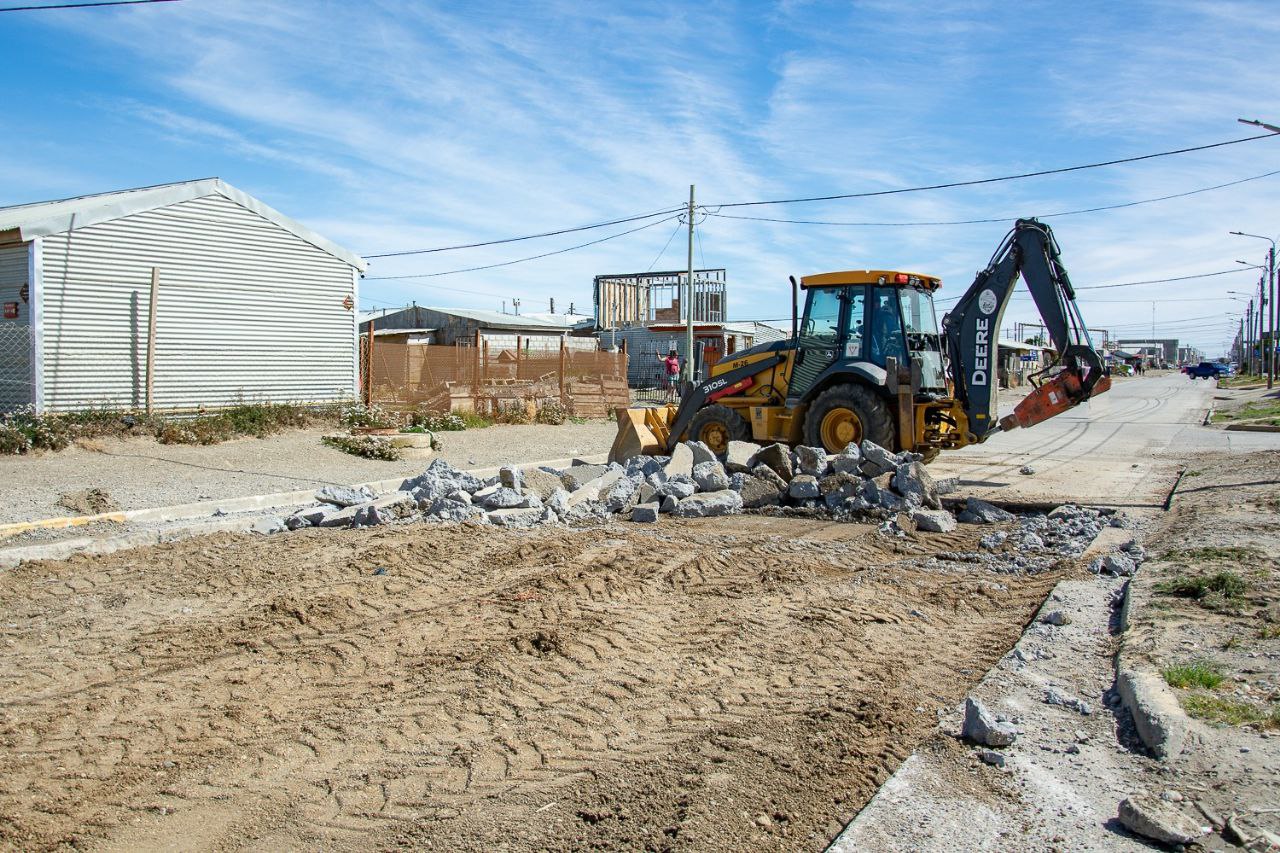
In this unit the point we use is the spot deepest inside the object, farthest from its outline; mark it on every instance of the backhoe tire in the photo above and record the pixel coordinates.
(718, 425)
(845, 414)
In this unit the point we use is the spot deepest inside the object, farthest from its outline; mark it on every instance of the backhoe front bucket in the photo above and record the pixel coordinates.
(642, 431)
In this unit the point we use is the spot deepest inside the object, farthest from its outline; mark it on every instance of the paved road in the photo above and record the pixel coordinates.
(1121, 448)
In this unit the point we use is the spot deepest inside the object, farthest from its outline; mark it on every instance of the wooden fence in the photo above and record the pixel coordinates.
(588, 384)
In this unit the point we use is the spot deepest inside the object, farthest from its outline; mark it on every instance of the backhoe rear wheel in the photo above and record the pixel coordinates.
(845, 414)
(716, 426)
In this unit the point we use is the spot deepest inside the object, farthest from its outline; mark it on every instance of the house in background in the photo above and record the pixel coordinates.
(250, 305)
(450, 326)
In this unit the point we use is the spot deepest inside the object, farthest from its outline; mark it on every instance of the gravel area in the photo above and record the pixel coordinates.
(139, 473)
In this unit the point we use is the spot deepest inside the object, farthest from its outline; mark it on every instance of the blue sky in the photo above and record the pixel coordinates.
(400, 125)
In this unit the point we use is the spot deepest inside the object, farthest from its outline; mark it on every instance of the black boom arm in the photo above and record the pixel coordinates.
(972, 327)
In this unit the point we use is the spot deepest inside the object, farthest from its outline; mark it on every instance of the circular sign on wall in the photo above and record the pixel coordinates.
(987, 301)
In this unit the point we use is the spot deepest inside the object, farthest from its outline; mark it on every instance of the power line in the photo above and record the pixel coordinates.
(520, 260)
(1002, 178)
(1136, 283)
(996, 218)
(83, 5)
(679, 222)
(527, 236)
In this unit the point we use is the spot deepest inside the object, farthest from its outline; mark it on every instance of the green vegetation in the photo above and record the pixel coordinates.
(1241, 380)
(368, 446)
(1200, 673)
(1269, 632)
(1259, 411)
(1210, 590)
(1217, 709)
(23, 431)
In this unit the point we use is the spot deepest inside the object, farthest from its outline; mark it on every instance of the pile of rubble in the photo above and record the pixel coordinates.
(863, 481)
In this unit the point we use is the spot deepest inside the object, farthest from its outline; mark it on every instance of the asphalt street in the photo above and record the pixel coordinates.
(1122, 448)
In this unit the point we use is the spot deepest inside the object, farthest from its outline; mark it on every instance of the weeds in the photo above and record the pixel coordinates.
(1269, 632)
(361, 416)
(1201, 673)
(1216, 709)
(1211, 591)
(368, 446)
(1266, 411)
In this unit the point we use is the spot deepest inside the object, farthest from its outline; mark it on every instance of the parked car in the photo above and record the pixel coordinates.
(1206, 370)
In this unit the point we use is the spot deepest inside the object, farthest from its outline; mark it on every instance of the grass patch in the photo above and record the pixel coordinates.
(1241, 380)
(1200, 673)
(1218, 554)
(1226, 585)
(1216, 709)
(1269, 632)
(1264, 411)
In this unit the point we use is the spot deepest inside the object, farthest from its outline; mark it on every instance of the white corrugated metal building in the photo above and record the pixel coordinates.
(252, 306)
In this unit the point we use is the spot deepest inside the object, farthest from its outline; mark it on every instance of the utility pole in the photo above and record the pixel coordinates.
(688, 329)
(1268, 287)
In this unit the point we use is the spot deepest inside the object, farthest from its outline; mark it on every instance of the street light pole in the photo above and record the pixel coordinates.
(1268, 312)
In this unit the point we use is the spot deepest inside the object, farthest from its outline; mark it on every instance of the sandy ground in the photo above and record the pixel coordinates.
(139, 473)
(740, 683)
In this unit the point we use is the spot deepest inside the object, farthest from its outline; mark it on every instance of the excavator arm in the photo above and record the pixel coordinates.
(972, 329)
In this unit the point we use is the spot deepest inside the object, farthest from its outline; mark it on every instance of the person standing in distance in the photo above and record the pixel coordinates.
(671, 366)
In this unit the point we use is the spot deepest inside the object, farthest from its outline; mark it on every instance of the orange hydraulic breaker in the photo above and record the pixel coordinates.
(1062, 392)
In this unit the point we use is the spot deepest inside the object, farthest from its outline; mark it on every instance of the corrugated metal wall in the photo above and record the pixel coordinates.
(247, 311)
(15, 342)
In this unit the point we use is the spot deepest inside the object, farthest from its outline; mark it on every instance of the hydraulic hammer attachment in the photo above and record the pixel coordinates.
(1054, 397)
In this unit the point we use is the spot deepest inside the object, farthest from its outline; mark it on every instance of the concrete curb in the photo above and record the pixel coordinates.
(1158, 717)
(208, 510)
(1252, 428)
(248, 503)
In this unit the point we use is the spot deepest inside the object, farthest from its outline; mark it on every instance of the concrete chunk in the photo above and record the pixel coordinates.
(934, 520)
(679, 486)
(681, 463)
(981, 728)
(980, 512)
(701, 453)
(577, 476)
(502, 497)
(645, 513)
(1153, 818)
(541, 482)
(847, 460)
(812, 460)
(758, 492)
(510, 476)
(738, 455)
(777, 457)
(669, 504)
(876, 457)
(710, 476)
(516, 516)
(709, 504)
(1157, 715)
(344, 495)
(803, 487)
(914, 483)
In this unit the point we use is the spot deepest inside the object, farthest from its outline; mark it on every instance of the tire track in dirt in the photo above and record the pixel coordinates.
(659, 687)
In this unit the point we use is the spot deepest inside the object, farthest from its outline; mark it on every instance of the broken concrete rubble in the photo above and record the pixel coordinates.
(982, 728)
(690, 483)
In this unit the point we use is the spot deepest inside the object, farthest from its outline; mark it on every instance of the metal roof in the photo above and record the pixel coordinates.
(497, 318)
(43, 218)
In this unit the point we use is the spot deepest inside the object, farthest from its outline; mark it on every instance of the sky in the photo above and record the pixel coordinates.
(392, 126)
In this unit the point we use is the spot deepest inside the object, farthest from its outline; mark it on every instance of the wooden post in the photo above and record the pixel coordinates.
(151, 334)
(563, 353)
(519, 341)
(623, 360)
(475, 378)
(368, 365)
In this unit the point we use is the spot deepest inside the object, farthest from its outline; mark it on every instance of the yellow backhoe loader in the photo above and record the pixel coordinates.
(865, 360)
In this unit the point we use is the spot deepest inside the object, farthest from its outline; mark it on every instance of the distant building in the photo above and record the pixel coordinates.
(251, 305)
(711, 342)
(1162, 350)
(450, 326)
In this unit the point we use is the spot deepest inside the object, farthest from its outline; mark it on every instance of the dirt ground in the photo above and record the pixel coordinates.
(1224, 522)
(740, 683)
(138, 473)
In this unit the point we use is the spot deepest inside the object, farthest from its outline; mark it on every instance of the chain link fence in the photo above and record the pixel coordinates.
(16, 386)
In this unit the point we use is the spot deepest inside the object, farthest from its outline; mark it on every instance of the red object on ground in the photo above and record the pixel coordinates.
(1062, 392)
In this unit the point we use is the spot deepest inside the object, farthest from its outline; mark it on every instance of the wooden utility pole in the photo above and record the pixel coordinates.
(368, 365)
(562, 360)
(151, 335)
(688, 329)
